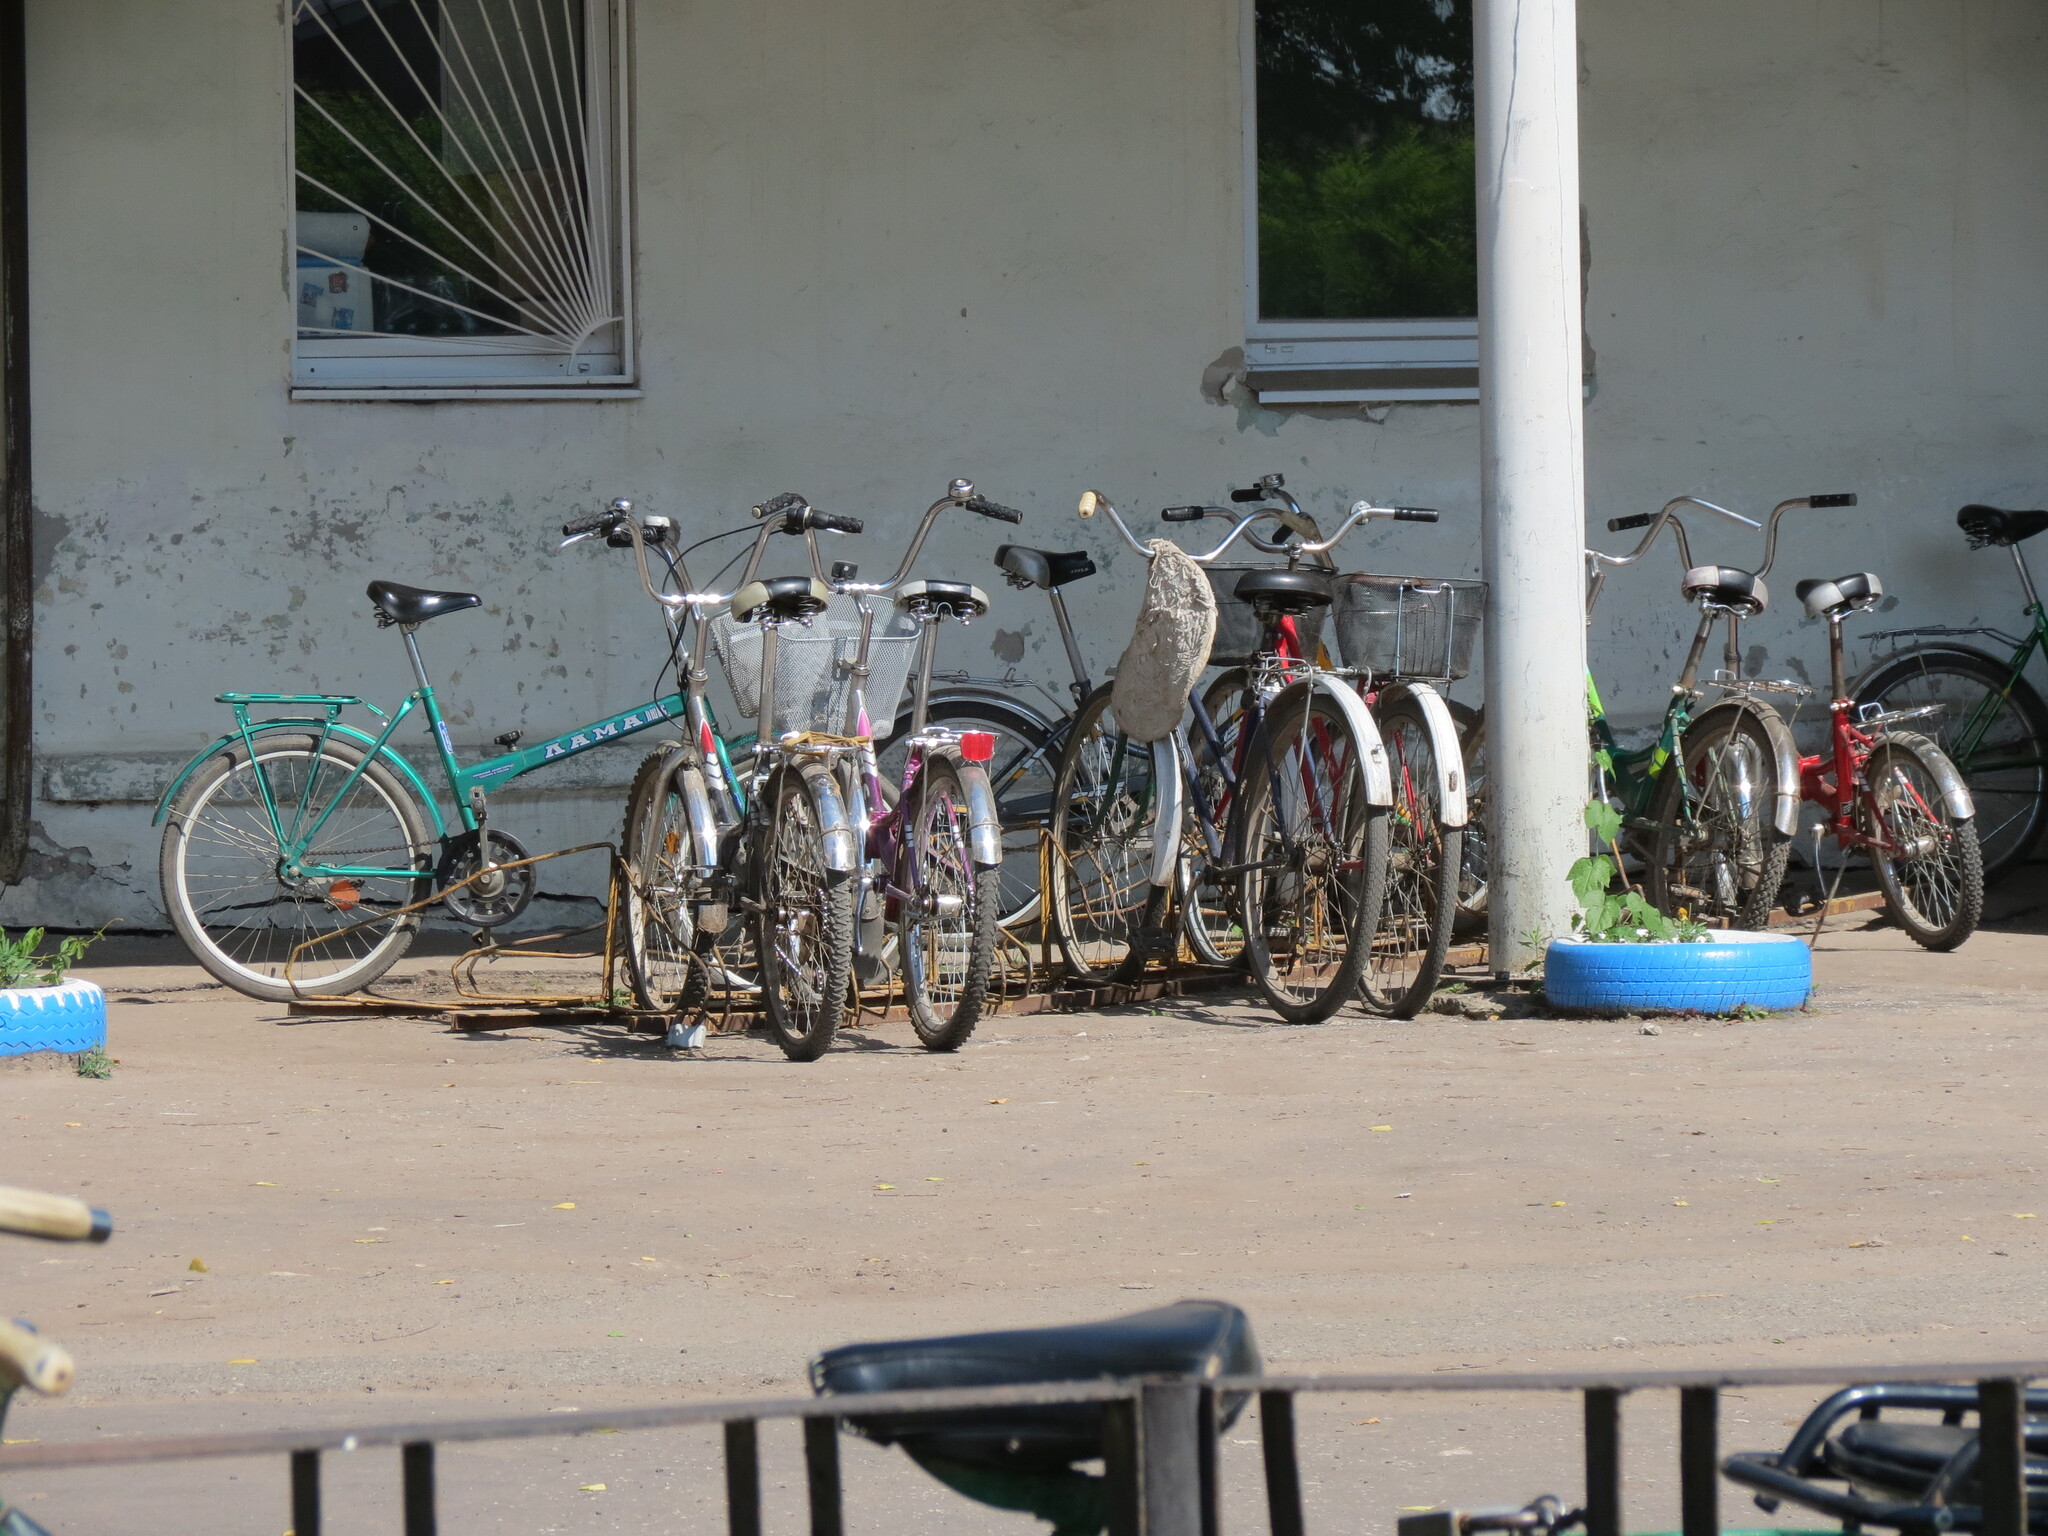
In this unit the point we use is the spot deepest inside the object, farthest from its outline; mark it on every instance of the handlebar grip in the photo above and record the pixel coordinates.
(1623, 524)
(30, 1213)
(35, 1362)
(595, 523)
(1181, 514)
(1416, 514)
(775, 506)
(1836, 499)
(832, 522)
(994, 509)
(1249, 493)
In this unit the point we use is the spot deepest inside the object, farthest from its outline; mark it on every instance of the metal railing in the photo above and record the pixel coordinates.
(1160, 1439)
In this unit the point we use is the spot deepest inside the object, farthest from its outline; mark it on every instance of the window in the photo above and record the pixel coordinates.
(458, 217)
(1362, 252)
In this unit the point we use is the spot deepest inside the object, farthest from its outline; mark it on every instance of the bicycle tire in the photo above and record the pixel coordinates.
(1099, 884)
(664, 958)
(219, 856)
(1936, 890)
(1412, 940)
(1020, 775)
(803, 930)
(1208, 902)
(1475, 849)
(2012, 800)
(1719, 862)
(946, 959)
(1303, 812)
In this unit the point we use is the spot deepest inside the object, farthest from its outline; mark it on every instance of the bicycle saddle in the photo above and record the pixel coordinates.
(397, 603)
(1042, 567)
(1286, 591)
(957, 599)
(1988, 525)
(785, 597)
(1726, 586)
(1859, 589)
(1202, 1339)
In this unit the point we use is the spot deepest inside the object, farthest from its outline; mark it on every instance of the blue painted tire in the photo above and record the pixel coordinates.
(70, 1018)
(1728, 971)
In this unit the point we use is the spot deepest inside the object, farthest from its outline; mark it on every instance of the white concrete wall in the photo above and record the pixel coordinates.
(886, 243)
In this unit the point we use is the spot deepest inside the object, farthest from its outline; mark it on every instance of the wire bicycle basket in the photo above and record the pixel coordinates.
(1409, 626)
(814, 667)
(1240, 635)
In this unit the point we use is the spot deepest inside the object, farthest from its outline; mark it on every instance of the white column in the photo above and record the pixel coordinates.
(1532, 478)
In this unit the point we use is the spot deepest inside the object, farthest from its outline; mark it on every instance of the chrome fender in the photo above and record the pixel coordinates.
(1784, 754)
(842, 849)
(1443, 745)
(1379, 779)
(1166, 826)
(703, 821)
(984, 826)
(1955, 794)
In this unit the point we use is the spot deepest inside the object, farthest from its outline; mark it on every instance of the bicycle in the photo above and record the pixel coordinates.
(27, 1359)
(288, 832)
(1993, 724)
(1299, 826)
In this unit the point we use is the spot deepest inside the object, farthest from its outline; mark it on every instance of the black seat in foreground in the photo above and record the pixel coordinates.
(1726, 586)
(1902, 1458)
(1203, 1339)
(1286, 591)
(1989, 525)
(1044, 567)
(1859, 589)
(400, 604)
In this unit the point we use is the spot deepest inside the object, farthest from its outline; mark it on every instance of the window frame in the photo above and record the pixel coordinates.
(1338, 362)
(425, 375)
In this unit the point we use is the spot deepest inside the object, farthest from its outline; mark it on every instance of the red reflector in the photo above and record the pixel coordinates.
(977, 746)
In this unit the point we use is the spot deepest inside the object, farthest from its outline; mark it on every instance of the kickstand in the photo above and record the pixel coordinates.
(1828, 897)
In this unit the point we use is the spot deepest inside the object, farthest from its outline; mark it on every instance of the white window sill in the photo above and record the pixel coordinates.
(1309, 362)
(402, 393)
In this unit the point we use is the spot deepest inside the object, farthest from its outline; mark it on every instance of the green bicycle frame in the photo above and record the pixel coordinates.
(1634, 771)
(1969, 736)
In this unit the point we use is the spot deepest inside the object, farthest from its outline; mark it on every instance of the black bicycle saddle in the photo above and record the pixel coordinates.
(1726, 586)
(785, 597)
(400, 604)
(1043, 567)
(1202, 1339)
(1859, 589)
(1285, 591)
(1989, 525)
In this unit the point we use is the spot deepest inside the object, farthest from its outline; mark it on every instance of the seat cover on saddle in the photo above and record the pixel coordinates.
(415, 605)
(1043, 567)
(1901, 1458)
(963, 599)
(1726, 586)
(1202, 1339)
(1859, 589)
(785, 597)
(1288, 591)
(1989, 525)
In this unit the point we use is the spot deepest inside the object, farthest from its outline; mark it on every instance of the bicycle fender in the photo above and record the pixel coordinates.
(363, 739)
(984, 825)
(1443, 744)
(1955, 794)
(1166, 780)
(1784, 754)
(842, 852)
(1379, 778)
(703, 822)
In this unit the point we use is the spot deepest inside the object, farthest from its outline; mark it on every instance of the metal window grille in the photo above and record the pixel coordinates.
(459, 220)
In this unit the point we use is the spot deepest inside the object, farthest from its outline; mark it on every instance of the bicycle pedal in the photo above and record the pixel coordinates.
(1156, 941)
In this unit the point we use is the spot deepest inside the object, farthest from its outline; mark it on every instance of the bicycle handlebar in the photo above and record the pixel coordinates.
(1292, 519)
(1830, 499)
(1249, 493)
(825, 522)
(994, 509)
(960, 493)
(58, 1218)
(33, 1361)
(1189, 514)
(1597, 559)
(775, 506)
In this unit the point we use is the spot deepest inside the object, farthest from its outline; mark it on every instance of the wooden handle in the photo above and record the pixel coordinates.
(34, 1361)
(30, 1213)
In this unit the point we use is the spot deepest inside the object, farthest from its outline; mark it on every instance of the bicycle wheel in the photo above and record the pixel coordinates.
(663, 956)
(223, 873)
(1927, 860)
(1105, 806)
(1208, 901)
(1714, 854)
(946, 934)
(1020, 775)
(1413, 938)
(1473, 852)
(2002, 752)
(1315, 850)
(803, 937)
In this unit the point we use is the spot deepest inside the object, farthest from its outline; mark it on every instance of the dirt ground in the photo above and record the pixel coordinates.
(397, 1222)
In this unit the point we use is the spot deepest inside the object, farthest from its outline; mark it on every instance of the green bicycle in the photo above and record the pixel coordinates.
(292, 832)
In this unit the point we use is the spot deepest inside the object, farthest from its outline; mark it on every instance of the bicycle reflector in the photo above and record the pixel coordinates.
(977, 746)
